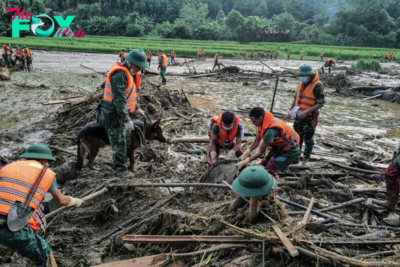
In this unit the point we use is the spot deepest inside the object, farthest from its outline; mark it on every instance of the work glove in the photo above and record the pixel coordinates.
(129, 126)
(245, 155)
(231, 155)
(213, 156)
(243, 163)
(75, 202)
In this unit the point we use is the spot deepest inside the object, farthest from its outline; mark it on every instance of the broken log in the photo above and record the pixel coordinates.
(344, 204)
(203, 75)
(308, 211)
(285, 241)
(354, 169)
(89, 197)
(374, 235)
(273, 71)
(332, 143)
(159, 239)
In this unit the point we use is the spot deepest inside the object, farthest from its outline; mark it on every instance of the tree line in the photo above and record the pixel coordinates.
(328, 22)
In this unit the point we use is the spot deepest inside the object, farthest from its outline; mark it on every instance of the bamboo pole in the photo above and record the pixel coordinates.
(344, 204)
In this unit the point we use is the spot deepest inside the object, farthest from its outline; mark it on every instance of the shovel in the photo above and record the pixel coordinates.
(20, 213)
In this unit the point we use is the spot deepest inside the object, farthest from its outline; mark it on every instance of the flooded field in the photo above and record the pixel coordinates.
(371, 128)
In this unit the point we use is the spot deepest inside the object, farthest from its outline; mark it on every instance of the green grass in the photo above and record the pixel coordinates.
(112, 44)
(373, 65)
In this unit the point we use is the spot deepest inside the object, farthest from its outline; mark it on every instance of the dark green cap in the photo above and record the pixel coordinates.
(305, 70)
(24, 46)
(128, 48)
(38, 152)
(7, 43)
(16, 46)
(254, 181)
(137, 58)
(159, 50)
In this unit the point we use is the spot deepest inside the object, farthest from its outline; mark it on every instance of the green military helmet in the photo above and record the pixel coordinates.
(159, 50)
(24, 46)
(16, 46)
(137, 58)
(38, 152)
(128, 48)
(305, 70)
(254, 181)
(7, 43)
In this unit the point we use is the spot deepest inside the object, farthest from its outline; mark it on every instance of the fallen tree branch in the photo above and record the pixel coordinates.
(380, 253)
(354, 169)
(344, 204)
(168, 185)
(210, 250)
(273, 71)
(93, 70)
(317, 257)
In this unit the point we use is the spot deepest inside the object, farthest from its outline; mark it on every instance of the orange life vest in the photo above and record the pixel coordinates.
(164, 61)
(245, 52)
(288, 54)
(28, 52)
(305, 98)
(386, 55)
(148, 55)
(391, 55)
(322, 54)
(251, 53)
(137, 81)
(121, 55)
(131, 93)
(258, 53)
(16, 52)
(16, 180)
(225, 138)
(4, 50)
(172, 53)
(289, 138)
(301, 54)
(199, 53)
(21, 53)
(216, 58)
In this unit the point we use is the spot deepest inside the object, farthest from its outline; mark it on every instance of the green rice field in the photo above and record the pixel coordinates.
(189, 48)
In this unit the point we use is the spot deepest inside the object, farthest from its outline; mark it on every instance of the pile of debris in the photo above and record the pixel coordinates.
(322, 213)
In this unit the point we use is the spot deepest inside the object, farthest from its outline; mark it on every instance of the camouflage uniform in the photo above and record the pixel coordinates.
(304, 127)
(118, 136)
(163, 70)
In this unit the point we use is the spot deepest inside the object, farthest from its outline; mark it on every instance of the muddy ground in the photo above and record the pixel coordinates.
(92, 235)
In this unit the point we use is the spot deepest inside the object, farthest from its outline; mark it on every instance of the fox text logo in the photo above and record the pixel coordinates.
(19, 23)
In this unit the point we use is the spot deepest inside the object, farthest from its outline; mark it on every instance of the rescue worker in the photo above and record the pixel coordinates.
(216, 60)
(391, 57)
(392, 179)
(27, 57)
(121, 56)
(309, 97)
(270, 54)
(226, 133)
(329, 64)
(276, 55)
(17, 54)
(251, 54)
(288, 55)
(267, 55)
(148, 54)
(21, 58)
(386, 55)
(273, 132)
(202, 53)
(199, 54)
(162, 66)
(245, 53)
(374, 56)
(301, 56)
(258, 54)
(173, 55)
(7, 52)
(16, 180)
(119, 100)
(322, 55)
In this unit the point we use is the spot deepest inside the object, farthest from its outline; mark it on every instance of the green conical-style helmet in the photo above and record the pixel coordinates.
(128, 48)
(24, 46)
(137, 58)
(16, 46)
(159, 50)
(305, 70)
(254, 181)
(38, 152)
(7, 43)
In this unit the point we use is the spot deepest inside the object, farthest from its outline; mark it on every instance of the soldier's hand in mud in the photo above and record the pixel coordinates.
(303, 115)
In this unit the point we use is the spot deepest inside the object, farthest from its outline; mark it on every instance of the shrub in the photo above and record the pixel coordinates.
(373, 65)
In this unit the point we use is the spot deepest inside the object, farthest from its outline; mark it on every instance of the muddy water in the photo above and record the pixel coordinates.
(59, 74)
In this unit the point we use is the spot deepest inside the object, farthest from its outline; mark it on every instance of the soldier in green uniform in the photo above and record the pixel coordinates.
(216, 60)
(162, 66)
(120, 99)
(7, 52)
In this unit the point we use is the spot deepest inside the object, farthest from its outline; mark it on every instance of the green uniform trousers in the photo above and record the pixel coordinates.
(162, 73)
(7, 60)
(29, 63)
(120, 140)
(25, 242)
(306, 133)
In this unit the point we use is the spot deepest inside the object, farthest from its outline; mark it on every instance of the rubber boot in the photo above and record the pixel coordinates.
(305, 161)
(390, 203)
(393, 219)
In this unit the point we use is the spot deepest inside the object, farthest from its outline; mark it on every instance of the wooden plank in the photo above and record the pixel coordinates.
(308, 212)
(286, 242)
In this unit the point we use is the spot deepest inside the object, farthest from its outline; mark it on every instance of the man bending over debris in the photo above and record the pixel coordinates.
(328, 64)
(282, 138)
(16, 182)
(309, 98)
(119, 99)
(226, 132)
(216, 60)
(392, 179)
